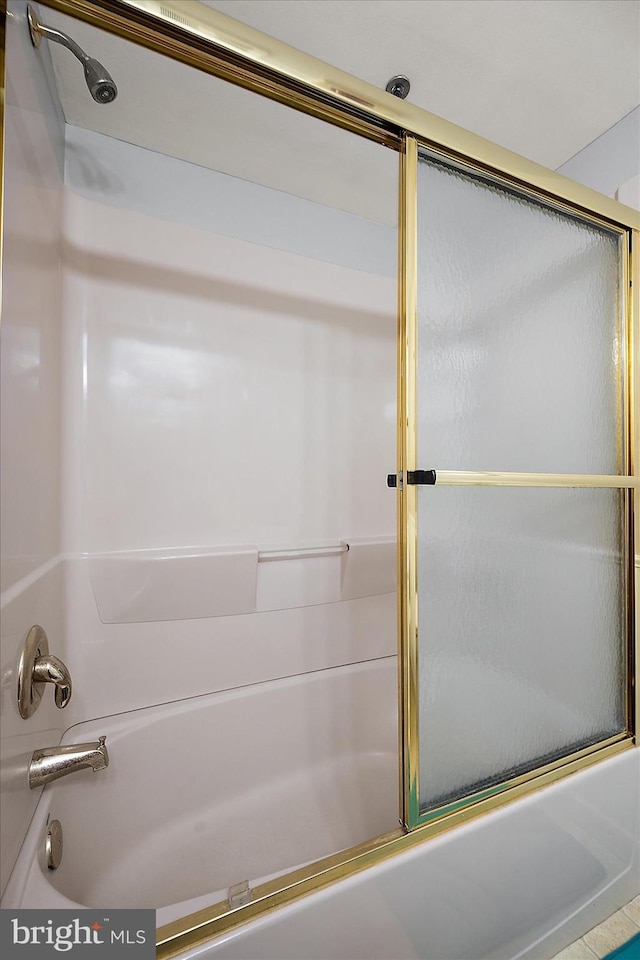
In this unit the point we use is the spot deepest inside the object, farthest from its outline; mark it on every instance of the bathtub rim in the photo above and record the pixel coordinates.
(213, 921)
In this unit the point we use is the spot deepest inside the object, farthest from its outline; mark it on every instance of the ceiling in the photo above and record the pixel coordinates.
(541, 77)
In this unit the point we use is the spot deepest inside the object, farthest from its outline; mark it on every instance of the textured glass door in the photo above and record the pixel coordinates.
(516, 490)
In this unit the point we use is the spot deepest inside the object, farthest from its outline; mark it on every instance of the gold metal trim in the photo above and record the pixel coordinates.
(633, 372)
(485, 478)
(508, 183)
(625, 365)
(622, 360)
(182, 31)
(401, 576)
(210, 41)
(629, 481)
(408, 495)
(498, 790)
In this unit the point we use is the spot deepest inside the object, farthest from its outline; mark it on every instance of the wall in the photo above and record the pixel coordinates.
(223, 396)
(609, 161)
(194, 368)
(32, 582)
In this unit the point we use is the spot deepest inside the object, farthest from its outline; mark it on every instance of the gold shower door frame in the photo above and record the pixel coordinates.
(220, 46)
(485, 799)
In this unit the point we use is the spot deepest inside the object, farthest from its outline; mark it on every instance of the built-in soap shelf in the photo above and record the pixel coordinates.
(188, 583)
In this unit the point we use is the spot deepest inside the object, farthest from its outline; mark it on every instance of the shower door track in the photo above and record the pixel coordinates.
(220, 46)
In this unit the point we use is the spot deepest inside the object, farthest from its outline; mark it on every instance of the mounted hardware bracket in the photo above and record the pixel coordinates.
(414, 477)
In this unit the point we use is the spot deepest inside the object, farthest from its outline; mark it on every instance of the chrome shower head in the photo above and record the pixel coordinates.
(99, 81)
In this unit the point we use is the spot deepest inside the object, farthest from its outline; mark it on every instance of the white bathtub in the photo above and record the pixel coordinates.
(519, 883)
(203, 794)
(207, 792)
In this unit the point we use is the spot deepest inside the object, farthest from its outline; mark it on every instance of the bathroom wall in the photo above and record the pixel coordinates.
(31, 336)
(611, 164)
(196, 370)
(230, 366)
(611, 160)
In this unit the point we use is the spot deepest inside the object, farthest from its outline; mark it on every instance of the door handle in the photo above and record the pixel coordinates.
(415, 478)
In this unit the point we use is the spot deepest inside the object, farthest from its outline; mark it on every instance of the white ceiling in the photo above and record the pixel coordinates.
(542, 77)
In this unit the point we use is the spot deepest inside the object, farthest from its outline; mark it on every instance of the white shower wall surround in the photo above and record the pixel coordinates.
(135, 179)
(30, 411)
(141, 664)
(151, 585)
(209, 387)
(218, 392)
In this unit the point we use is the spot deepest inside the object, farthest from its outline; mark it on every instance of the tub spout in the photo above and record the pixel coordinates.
(51, 763)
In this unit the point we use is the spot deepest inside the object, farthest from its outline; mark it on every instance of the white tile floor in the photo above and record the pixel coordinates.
(607, 936)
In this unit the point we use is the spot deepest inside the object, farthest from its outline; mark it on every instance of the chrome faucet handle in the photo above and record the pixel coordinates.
(37, 667)
(50, 669)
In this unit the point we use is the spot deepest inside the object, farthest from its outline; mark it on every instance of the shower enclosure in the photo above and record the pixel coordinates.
(226, 568)
(521, 571)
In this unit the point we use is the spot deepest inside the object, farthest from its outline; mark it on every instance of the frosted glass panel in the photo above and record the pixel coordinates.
(518, 333)
(521, 654)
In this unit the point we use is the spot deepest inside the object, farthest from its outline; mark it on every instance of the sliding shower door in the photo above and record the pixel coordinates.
(516, 499)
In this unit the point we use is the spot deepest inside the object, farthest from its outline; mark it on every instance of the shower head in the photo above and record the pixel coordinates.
(99, 81)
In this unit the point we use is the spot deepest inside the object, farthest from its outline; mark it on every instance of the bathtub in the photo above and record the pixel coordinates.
(247, 784)
(206, 793)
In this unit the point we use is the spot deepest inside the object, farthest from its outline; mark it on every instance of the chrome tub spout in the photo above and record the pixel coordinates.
(51, 763)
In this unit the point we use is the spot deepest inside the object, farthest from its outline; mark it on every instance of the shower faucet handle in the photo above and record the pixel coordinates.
(37, 667)
(50, 669)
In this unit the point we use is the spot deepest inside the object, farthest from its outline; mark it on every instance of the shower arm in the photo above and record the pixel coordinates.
(101, 84)
(39, 30)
